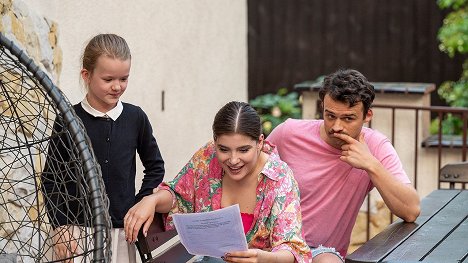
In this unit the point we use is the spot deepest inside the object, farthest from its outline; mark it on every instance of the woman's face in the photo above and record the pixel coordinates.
(238, 154)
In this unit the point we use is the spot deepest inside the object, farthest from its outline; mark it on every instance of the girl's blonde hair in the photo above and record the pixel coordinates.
(110, 45)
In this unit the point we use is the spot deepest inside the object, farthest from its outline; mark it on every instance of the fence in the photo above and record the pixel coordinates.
(424, 157)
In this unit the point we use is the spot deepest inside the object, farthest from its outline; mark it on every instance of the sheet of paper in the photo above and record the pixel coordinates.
(211, 233)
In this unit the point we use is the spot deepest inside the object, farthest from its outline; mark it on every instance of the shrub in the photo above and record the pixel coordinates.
(453, 37)
(276, 108)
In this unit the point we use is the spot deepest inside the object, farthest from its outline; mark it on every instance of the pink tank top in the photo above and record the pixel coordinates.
(247, 220)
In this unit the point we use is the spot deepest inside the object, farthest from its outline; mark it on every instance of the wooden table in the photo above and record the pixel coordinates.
(440, 234)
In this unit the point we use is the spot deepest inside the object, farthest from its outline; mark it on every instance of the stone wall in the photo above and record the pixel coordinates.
(24, 119)
(36, 35)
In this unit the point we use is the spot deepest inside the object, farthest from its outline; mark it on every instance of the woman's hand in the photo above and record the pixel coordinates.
(65, 244)
(141, 213)
(259, 256)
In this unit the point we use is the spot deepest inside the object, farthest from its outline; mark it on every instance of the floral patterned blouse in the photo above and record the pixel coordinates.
(277, 215)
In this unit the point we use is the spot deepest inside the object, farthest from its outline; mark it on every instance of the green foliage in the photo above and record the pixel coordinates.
(276, 108)
(455, 93)
(455, 4)
(453, 37)
(450, 125)
(453, 34)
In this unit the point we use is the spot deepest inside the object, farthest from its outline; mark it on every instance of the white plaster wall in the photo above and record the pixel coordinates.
(193, 50)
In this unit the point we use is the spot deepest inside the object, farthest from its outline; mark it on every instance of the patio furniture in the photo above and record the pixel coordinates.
(156, 238)
(454, 174)
(438, 234)
(36, 120)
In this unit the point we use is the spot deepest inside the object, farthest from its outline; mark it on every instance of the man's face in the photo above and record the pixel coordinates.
(339, 117)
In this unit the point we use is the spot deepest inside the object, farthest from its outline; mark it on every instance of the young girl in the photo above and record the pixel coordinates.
(117, 131)
(239, 167)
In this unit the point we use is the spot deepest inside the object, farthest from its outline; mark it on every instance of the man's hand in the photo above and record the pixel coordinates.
(355, 152)
(401, 199)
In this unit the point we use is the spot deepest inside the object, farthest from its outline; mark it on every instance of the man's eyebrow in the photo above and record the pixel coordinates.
(350, 115)
(343, 115)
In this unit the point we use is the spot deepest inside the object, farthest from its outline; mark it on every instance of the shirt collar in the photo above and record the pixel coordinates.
(113, 114)
(273, 166)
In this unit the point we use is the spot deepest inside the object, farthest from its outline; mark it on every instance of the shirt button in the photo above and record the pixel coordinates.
(108, 140)
(106, 161)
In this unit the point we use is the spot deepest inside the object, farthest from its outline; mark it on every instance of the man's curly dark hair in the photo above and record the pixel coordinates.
(348, 86)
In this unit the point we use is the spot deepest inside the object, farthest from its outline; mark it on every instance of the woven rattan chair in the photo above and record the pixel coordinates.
(44, 150)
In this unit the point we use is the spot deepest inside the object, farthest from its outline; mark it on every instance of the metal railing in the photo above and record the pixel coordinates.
(457, 145)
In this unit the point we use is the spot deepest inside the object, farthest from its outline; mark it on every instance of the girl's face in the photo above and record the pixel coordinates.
(107, 82)
(238, 154)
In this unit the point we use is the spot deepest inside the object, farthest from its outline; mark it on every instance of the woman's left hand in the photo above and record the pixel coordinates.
(251, 255)
(259, 256)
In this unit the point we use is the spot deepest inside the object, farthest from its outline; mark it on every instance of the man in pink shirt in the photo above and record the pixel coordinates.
(336, 162)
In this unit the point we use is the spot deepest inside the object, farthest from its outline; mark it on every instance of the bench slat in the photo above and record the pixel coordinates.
(376, 248)
(455, 246)
(436, 229)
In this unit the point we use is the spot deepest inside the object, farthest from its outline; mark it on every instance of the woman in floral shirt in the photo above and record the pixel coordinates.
(238, 167)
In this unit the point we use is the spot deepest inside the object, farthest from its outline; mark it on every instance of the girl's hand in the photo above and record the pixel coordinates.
(141, 213)
(65, 244)
(259, 256)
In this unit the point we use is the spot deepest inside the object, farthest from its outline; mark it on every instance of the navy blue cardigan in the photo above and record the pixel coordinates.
(115, 144)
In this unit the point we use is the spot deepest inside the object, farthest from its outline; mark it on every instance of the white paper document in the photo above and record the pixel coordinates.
(211, 233)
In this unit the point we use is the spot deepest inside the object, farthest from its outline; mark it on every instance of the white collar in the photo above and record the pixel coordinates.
(113, 114)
